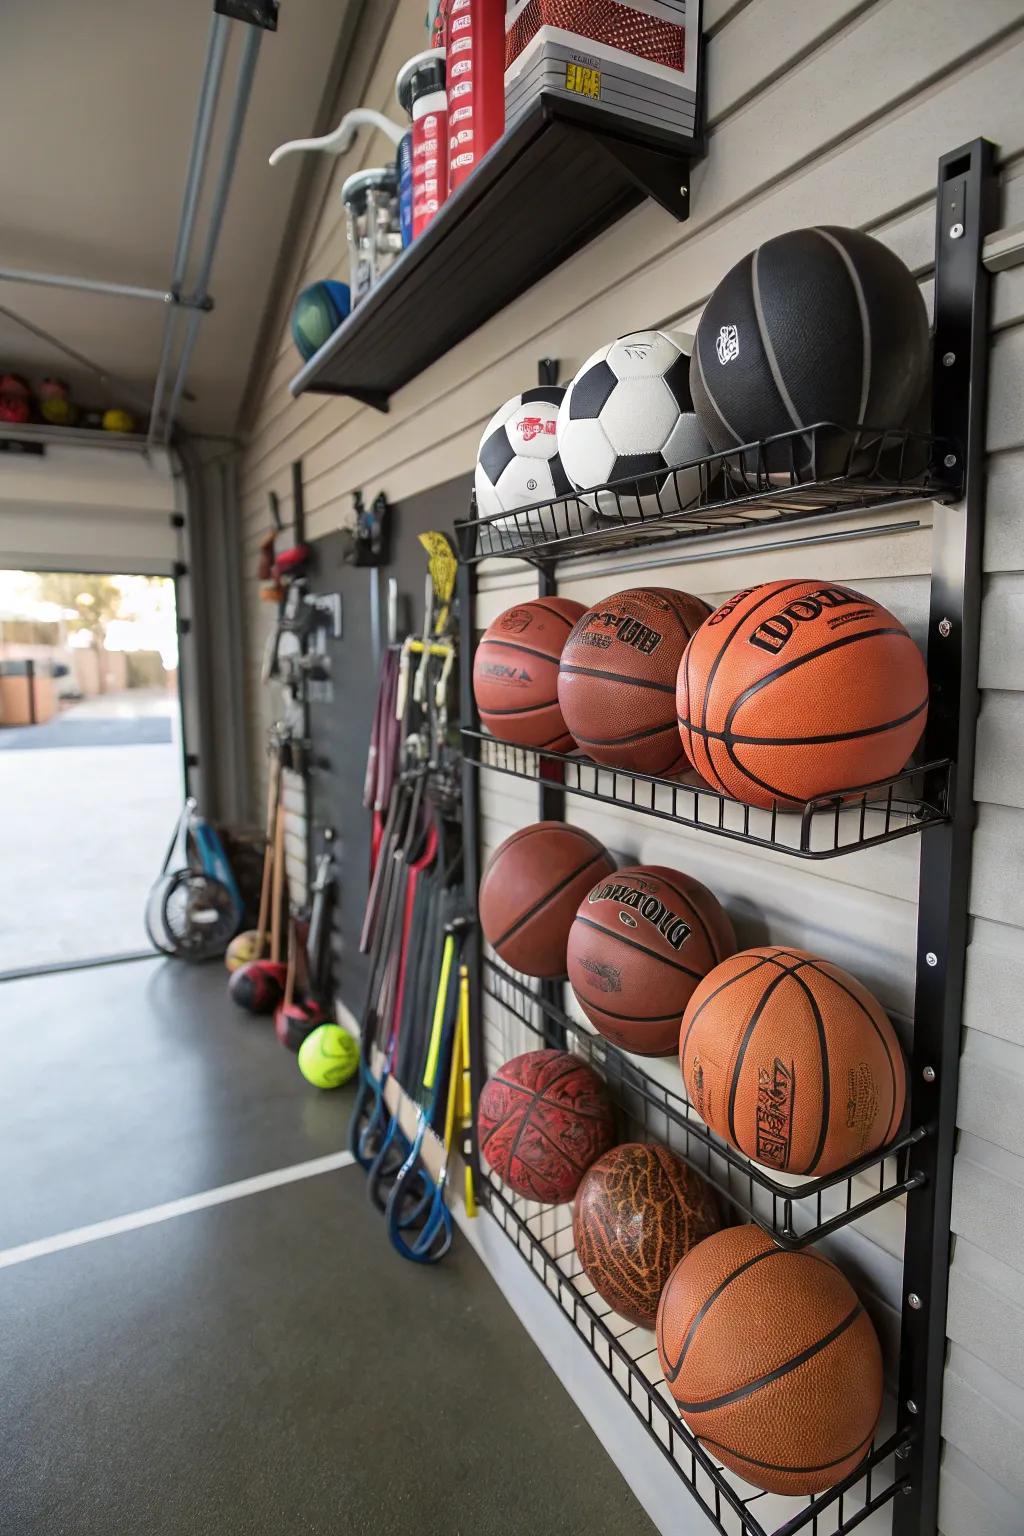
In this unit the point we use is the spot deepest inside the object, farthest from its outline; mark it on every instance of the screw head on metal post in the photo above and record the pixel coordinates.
(945, 628)
(914, 1302)
(956, 231)
(949, 460)
(911, 1405)
(928, 1073)
(948, 359)
(931, 958)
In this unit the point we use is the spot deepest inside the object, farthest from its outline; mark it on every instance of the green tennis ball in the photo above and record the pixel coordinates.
(328, 1056)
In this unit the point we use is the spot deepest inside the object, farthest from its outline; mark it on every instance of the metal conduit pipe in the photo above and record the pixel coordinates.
(89, 285)
(213, 71)
(243, 89)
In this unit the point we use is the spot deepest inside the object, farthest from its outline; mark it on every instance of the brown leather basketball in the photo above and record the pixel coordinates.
(772, 1361)
(791, 1060)
(797, 689)
(530, 890)
(641, 941)
(542, 1120)
(617, 677)
(639, 1209)
(515, 673)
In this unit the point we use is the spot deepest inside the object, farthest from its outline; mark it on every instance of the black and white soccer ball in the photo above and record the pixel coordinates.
(518, 463)
(628, 415)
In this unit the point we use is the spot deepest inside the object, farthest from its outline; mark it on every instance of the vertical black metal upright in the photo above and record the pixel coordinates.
(966, 212)
(469, 719)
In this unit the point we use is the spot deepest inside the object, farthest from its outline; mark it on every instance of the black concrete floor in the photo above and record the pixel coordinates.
(263, 1366)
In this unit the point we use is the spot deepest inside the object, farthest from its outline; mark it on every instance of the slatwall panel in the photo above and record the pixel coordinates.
(834, 112)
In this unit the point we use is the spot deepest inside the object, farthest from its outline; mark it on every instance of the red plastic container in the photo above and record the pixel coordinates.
(474, 42)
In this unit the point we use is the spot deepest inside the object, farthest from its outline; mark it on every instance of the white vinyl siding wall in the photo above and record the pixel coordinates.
(835, 112)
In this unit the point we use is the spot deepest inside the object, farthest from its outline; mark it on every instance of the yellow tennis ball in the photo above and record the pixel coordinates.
(328, 1056)
(241, 950)
(118, 421)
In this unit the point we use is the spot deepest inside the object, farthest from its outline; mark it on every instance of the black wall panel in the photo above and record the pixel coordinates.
(340, 720)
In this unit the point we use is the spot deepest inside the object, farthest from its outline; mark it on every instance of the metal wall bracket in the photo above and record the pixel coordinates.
(966, 212)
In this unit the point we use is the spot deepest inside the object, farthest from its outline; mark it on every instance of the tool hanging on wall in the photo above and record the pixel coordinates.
(368, 541)
(271, 590)
(318, 942)
(249, 945)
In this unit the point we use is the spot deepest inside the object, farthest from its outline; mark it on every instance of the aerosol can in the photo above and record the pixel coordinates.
(420, 88)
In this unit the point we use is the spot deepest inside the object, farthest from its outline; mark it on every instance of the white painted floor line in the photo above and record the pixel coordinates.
(157, 1213)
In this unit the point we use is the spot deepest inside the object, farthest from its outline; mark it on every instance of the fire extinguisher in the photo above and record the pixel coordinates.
(472, 33)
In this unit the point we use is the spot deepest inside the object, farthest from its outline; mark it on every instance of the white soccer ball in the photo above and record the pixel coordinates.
(518, 465)
(628, 415)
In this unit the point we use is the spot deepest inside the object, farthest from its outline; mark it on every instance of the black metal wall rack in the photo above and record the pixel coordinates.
(739, 492)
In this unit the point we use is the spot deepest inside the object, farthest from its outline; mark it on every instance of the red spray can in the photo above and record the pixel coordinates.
(472, 33)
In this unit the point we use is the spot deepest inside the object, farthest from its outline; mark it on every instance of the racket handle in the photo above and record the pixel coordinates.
(471, 1206)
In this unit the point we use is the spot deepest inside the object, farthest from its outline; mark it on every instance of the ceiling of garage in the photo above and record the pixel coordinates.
(99, 102)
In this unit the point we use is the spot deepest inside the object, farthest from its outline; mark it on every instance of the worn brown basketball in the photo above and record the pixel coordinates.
(515, 673)
(772, 1361)
(641, 941)
(617, 677)
(791, 1060)
(797, 689)
(639, 1210)
(542, 1120)
(530, 890)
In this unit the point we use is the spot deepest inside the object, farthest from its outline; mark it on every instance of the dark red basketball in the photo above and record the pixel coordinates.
(639, 1210)
(257, 987)
(543, 1119)
(530, 890)
(515, 673)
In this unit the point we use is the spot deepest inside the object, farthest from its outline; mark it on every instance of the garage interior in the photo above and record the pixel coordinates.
(310, 1068)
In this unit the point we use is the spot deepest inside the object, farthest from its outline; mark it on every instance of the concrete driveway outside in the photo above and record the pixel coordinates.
(89, 805)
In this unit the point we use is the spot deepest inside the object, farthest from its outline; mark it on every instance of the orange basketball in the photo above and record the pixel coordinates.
(641, 941)
(792, 1061)
(772, 1361)
(515, 673)
(617, 677)
(530, 890)
(797, 689)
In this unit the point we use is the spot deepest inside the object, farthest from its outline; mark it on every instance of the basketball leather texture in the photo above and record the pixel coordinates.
(772, 1361)
(641, 941)
(515, 673)
(542, 1120)
(617, 677)
(531, 889)
(791, 1060)
(797, 689)
(816, 325)
(639, 1210)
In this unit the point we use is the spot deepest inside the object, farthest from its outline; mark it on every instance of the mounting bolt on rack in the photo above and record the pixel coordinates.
(956, 232)
(911, 1405)
(949, 460)
(931, 958)
(928, 1074)
(914, 1301)
(945, 628)
(948, 359)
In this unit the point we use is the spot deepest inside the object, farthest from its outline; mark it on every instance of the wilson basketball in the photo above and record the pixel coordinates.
(816, 325)
(515, 673)
(641, 941)
(530, 890)
(772, 1361)
(542, 1120)
(798, 689)
(617, 676)
(639, 1210)
(791, 1060)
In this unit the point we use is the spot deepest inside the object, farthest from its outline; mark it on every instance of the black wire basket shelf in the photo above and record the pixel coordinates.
(653, 1104)
(819, 470)
(821, 829)
(628, 1354)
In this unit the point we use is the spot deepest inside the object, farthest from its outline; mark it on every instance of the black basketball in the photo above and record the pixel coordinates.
(817, 325)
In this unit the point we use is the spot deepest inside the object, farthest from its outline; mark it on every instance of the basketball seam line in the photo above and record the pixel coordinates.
(754, 1020)
(695, 910)
(774, 1466)
(634, 1018)
(618, 677)
(621, 938)
(540, 1131)
(761, 960)
(714, 403)
(783, 1370)
(516, 645)
(865, 322)
(769, 350)
(505, 1082)
(524, 709)
(540, 603)
(524, 1117)
(767, 597)
(555, 891)
(672, 1373)
(890, 1128)
(826, 1082)
(730, 738)
(622, 741)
